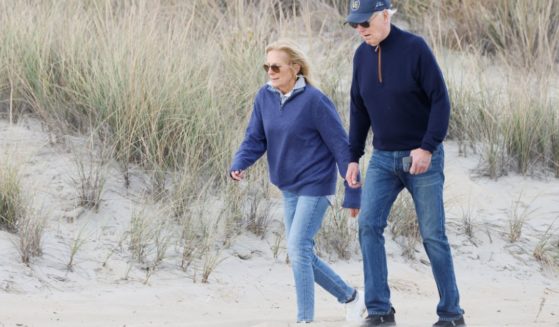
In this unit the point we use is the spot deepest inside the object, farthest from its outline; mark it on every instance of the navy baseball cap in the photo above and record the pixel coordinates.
(361, 10)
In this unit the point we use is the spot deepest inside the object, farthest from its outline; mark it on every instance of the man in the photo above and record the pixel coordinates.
(398, 90)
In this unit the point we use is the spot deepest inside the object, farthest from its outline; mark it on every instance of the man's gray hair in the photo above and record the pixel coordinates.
(390, 12)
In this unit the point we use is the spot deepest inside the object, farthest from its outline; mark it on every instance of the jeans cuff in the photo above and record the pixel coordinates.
(378, 313)
(352, 296)
(450, 318)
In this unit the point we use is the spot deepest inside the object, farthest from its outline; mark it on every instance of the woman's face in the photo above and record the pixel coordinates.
(281, 72)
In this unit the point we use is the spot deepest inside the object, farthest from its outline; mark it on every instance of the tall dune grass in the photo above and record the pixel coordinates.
(524, 33)
(174, 81)
(504, 102)
(172, 87)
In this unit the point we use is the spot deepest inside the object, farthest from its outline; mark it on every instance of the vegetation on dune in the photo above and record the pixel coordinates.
(168, 86)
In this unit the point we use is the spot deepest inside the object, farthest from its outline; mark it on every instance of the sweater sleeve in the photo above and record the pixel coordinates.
(359, 121)
(254, 144)
(432, 82)
(332, 132)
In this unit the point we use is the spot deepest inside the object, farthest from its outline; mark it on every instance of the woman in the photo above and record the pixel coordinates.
(299, 128)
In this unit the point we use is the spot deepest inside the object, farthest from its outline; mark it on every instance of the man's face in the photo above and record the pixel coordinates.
(378, 28)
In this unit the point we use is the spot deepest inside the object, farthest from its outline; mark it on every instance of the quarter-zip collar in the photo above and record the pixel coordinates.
(378, 49)
(299, 86)
(392, 35)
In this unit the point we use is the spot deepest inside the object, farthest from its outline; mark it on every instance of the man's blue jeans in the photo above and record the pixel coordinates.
(303, 217)
(384, 180)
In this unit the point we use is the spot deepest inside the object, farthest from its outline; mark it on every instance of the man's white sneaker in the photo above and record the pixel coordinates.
(354, 310)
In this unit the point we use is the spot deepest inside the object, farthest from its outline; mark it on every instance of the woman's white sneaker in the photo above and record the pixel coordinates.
(354, 310)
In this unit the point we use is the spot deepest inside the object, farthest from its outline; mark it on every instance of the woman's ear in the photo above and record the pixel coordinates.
(297, 69)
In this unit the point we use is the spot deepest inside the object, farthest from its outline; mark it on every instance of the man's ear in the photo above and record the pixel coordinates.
(386, 14)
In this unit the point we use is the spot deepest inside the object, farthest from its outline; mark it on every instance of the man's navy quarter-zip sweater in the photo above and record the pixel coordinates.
(399, 90)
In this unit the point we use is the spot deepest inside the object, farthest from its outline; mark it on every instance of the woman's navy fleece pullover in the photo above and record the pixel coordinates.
(304, 140)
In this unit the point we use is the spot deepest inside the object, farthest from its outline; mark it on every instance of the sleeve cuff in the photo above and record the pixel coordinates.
(352, 197)
(428, 147)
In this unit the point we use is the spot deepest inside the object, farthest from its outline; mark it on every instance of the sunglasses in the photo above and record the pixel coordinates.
(363, 24)
(275, 68)
(366, 24)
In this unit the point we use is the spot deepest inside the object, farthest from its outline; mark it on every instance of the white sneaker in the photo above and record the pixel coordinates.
(354, 310)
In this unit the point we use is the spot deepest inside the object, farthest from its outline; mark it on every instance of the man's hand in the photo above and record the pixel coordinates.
(353, 212)
(238, 175)
(421, 160)
(352, 175)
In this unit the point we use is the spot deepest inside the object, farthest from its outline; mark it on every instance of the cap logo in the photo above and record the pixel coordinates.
(379, 4)
(355, 4)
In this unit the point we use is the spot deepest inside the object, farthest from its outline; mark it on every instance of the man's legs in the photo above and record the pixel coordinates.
(427, 193)
(381, 188)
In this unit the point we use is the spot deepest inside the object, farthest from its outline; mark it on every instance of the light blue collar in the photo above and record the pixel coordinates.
(299, 84)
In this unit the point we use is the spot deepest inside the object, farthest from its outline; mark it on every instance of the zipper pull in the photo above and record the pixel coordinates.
(379, 65)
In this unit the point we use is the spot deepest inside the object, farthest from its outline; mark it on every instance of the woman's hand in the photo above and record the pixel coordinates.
(238, 174)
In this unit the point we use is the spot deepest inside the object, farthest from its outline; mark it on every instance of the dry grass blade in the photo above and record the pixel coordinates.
(12, 202)
(30, 229)
(276, 244)
(519, 214)
(90, 161)
(404, 226)
(211, 259)
(338, 234)
(546, 252)
(75, 245)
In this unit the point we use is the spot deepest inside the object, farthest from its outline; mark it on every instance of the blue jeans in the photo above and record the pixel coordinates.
(303, 217)
(384, 180)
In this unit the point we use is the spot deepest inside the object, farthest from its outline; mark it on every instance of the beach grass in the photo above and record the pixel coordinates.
(168, 86)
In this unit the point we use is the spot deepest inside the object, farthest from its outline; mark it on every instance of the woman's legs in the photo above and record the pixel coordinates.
(303, 217)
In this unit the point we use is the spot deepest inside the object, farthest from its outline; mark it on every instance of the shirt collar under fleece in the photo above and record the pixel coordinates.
(299, 84)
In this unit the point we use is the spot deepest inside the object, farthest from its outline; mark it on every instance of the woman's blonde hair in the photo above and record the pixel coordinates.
(296, 56)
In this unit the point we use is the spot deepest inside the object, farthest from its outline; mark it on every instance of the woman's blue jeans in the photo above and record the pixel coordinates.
(303, 217)
(384, 180)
